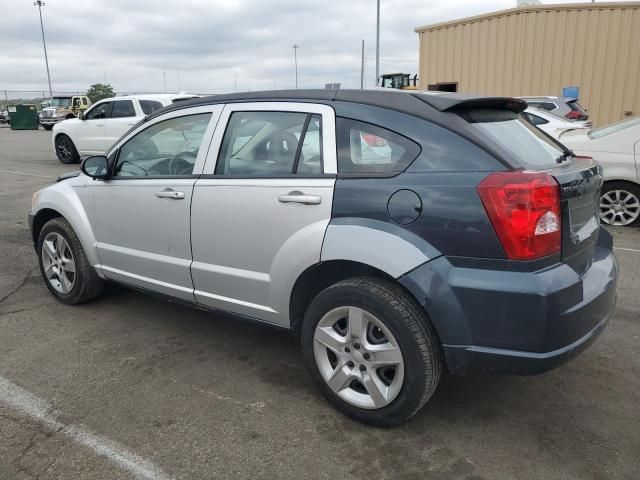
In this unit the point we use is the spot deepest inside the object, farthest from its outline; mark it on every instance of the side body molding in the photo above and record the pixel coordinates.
(385, 246)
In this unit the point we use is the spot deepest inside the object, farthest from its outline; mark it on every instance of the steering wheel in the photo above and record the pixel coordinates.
(182, 163)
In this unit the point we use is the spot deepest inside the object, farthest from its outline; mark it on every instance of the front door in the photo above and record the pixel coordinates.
(260, 212)
(142, 212)
(90, 131)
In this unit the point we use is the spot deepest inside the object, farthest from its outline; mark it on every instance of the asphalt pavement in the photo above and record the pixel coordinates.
(133, 386)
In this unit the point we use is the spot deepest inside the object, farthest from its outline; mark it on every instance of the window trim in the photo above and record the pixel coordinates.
(214, 110)
(328, 140)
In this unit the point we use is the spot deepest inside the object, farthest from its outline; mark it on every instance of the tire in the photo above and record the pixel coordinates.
(83, 284)
(66, 150)
(407, 328)
(47, 127)
(620, 204)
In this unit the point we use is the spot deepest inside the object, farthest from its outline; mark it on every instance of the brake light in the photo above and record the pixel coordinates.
(524, 209)
(573, 115)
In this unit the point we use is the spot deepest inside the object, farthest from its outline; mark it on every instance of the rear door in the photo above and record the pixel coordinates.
(124, 115)
(261, 209)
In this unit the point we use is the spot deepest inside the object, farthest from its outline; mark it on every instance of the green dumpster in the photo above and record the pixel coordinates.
(23, 117)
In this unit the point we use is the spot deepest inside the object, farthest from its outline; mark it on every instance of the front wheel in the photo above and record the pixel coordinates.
(66, 150)
(64, 265)
(371, 350)
(620, 203)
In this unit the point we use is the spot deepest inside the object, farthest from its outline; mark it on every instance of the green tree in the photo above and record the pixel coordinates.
(98, 91)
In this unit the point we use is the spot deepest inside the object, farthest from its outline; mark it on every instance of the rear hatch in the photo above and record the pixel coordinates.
(527, 148)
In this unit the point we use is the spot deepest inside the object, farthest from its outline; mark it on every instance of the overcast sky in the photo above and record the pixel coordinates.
(201, 45)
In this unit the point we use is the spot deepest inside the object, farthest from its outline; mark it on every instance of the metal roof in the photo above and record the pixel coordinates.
(529, 9)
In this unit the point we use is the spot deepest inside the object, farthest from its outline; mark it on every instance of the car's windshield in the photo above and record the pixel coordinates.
(512, 132)
(61, 102)
(614, 127)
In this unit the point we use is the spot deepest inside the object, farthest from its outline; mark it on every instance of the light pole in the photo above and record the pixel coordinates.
(295, 60)
(40, 4)
(378, 43)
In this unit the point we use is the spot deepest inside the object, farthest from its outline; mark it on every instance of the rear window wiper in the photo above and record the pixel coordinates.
(565, 156)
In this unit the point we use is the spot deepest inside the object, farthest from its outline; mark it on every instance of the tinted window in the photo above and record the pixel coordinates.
(149, 106)
(84, 101)
(168, 148)
(123, 108)
(517, 136)
(368, 148)
(101, 110)
(271, 144)
(535, 119)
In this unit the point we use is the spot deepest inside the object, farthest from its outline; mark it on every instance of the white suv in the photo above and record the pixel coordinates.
(104, 123)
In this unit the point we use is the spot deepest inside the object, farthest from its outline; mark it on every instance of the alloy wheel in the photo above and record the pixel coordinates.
(58, 263)
(619, 207)
(64, 148)
(358, 357)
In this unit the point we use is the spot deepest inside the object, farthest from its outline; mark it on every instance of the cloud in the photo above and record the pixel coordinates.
(210, 46)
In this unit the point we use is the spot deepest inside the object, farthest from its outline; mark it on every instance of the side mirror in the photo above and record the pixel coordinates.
(96, 167)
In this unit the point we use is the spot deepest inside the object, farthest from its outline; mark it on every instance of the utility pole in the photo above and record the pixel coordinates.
(362, 68)
(378, 43)
(295, 60)
(40, 4)
(164, 80)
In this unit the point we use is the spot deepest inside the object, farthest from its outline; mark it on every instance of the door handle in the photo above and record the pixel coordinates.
(299, 197)
(172, 194)
(99, 124)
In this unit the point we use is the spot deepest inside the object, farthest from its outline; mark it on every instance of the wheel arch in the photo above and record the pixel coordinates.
(320, 276)
(61, 200)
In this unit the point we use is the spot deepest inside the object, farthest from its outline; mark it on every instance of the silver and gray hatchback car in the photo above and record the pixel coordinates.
(395, 234)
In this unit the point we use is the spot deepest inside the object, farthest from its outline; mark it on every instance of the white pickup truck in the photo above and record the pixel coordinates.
(104, 123)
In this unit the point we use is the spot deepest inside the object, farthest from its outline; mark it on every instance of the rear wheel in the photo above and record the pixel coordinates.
(66, 150)
(371, 350)
(64, 265)
(47, 127)
(620, 203)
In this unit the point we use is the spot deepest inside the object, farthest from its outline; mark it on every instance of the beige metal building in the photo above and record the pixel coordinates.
(539, 50)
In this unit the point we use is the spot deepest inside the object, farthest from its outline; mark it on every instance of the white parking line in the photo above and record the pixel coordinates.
(39, 410)
(28, 174)
(627, 249)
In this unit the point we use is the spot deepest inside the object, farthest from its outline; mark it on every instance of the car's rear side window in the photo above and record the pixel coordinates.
(149, 106)
(123, 108)
(367, 148)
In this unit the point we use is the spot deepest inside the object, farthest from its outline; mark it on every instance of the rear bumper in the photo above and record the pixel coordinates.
(505, 321)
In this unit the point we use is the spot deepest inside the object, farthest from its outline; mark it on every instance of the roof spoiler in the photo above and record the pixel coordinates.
(457, 102)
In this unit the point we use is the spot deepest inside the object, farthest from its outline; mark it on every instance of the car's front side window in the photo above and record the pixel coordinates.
(166, 148)
(100, 111)
(267, 144)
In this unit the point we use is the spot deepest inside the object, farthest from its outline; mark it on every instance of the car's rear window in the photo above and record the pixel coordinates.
(528, 144)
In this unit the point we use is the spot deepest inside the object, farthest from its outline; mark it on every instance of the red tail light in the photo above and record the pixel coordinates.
(573, 115)
(524, 209)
